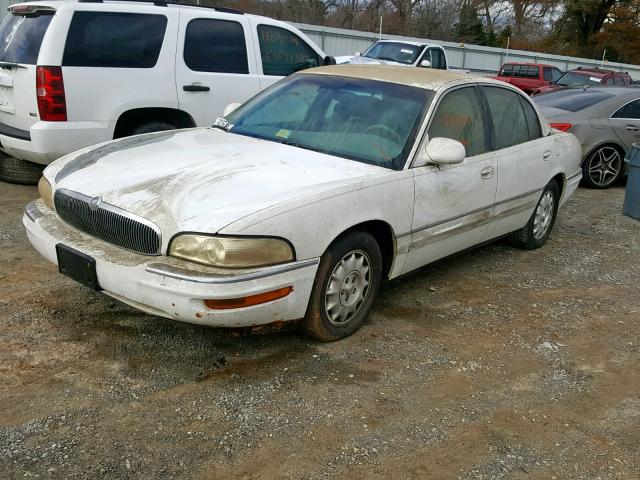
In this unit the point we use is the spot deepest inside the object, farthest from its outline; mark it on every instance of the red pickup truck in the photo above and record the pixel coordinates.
(528, 77)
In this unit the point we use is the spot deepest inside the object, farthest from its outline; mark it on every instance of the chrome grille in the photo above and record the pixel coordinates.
(107, 222)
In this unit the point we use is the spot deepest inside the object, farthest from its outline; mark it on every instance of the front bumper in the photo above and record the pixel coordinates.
(173, 288)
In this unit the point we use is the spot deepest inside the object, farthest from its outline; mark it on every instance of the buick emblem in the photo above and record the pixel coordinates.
(95, 202)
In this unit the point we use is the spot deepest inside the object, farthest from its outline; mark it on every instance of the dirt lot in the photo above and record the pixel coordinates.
(495, 364)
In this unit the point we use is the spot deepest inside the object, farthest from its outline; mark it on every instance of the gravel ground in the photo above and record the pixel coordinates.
(497, 363)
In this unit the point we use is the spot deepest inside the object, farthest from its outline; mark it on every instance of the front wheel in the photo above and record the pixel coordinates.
(536, 232)
(603, 167)
(345, 287)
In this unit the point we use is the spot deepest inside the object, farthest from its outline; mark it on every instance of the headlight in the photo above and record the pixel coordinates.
(46, 192)
(231, 252)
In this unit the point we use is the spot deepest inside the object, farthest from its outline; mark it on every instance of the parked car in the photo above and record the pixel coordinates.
(587, 77)
(605, 120)
(302, 200)
(77, 73)
(400, 53)
(528, 77)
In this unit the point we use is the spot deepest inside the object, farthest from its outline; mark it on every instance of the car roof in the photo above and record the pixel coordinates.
(529, 64)
(427, 78)
(133, 3)
(612, 90)
(595, 71)
(408, 42)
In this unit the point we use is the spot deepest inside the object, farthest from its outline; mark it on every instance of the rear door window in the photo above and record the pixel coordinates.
(22, 35)
(283, 52)
(630, 111)
(110, 39)
(215, 46)
(509, 121)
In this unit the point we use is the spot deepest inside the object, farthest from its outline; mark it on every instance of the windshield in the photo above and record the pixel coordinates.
(21, 36)
(394, 52)
(364, 120)
(573, 79)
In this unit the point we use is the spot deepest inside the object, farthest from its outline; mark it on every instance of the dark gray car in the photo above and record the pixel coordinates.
(606, 120)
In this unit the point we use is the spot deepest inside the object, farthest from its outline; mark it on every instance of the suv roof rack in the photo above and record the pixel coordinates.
(164, 3)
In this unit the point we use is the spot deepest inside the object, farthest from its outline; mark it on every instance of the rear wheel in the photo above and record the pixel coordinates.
(152, 127)
(345, 287)
(536, 232)
(603, 167)
(14, 170)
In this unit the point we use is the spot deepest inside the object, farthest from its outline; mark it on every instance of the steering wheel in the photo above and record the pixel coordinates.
(387, 132)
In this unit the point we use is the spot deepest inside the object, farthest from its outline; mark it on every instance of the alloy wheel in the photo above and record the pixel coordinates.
(544, 215)
(604, 166)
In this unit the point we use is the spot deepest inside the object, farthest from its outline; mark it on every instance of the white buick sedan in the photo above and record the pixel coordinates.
(303, 200)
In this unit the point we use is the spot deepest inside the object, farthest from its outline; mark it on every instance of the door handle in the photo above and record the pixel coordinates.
(195, 88)
(633, 128)
(546, 155)
(486, 172)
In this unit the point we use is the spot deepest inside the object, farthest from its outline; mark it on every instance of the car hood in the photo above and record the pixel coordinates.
(357, 60)
(201, 179)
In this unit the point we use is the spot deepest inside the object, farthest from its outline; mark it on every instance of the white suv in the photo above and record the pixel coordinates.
(76, 73)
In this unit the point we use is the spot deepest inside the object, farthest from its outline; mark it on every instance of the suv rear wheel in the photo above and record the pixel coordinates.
(152, 127)
(13, 170)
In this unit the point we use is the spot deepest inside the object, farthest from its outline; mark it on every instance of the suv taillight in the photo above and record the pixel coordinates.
(52, 104)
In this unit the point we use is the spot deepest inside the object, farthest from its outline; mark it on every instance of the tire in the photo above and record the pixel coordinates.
(152, 127)
(341, 267)
(536, 232)
(603, 167)
(13, 170)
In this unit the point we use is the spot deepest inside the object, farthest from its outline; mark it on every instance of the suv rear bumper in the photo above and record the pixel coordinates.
(45, 142)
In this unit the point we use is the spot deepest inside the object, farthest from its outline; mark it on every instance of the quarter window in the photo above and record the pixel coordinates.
(110, 39)
(215, 46)
(509, 120)
(283, 52)
(630, 110)
(459, 117)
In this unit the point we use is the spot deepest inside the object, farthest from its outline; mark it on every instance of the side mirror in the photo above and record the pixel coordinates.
(230, 108)
(328, 60)
(425, 64)
(357, 54)
(442, 151)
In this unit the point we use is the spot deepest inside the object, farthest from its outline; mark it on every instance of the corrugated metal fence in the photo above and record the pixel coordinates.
(337, 41)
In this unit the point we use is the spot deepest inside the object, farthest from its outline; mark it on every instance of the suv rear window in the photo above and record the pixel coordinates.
(22, 35)
(572, 101)
(109, 39)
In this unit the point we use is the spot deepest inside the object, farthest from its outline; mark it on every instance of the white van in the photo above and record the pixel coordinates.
(76, 73)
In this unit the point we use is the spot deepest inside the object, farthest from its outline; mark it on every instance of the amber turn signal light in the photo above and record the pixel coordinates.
(251, 300)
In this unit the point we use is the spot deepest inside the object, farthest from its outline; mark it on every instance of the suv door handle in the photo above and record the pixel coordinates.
(195, 88)
(486, 172)
(546, 155)
(633, 128)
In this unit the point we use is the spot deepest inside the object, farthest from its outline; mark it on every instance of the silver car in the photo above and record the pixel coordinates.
(606, 120)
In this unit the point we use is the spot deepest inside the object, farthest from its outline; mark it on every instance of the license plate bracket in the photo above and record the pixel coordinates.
(78, 266)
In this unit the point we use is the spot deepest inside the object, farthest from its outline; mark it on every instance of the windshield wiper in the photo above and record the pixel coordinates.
(10, 65)
(304, 147)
